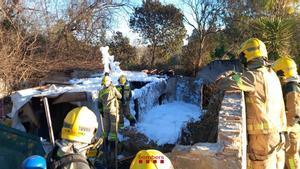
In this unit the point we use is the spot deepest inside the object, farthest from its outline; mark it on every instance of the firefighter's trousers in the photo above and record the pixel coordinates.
(265, 151)
(292, 159)
(110, 122)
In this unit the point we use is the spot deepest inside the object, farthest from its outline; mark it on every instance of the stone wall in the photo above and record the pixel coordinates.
(167, 90)
(188, 90)
(230, 150)
(210, 72)
(145, 98)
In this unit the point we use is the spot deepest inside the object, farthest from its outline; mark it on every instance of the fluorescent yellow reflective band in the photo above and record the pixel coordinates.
(112, 136)
(292, 163)
(104, 92)
(258, 126)
(242, 86)
(104, 134)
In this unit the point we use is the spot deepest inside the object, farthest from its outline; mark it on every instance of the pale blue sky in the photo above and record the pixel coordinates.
(120, 21)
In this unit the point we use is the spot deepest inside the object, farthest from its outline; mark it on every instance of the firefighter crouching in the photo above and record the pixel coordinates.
(79, 128)
(286, 69)
(266, 119)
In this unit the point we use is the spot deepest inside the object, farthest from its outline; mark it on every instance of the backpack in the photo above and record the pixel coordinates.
(55, 162)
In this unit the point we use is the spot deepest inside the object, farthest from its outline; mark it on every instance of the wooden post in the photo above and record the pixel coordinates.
(49, 122)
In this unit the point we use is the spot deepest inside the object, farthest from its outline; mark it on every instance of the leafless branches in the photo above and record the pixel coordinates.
(206, 18)
(45, 35)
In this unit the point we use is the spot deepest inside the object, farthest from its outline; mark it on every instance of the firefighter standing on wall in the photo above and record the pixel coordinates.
(109, 108)
(125, 91)
(266, 119)
(286, 69)
(79, 128)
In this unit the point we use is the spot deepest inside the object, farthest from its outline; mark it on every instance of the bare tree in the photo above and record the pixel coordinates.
(17, 50)
(44, 35)
(206, 18)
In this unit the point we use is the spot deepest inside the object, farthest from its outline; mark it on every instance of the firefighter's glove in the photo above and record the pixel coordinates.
(236, 77)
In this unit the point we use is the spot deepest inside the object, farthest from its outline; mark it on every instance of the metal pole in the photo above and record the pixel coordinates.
(47, 111)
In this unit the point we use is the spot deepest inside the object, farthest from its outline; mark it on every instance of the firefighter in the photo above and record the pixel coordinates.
(151, 159)
(109, 106)
(125, 91)
(266, 119)
(79, 128)
(108, 99)
(286, 69)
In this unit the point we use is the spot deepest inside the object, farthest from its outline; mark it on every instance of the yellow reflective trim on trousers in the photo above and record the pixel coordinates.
(112, 136)
(259, 126)
(292, 163)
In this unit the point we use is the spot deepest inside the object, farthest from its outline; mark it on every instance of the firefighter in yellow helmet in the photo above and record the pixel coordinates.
(108, 97)
(79, 128)
(266, 119)
(108, 102)
(125, 91)
(151, 159)
(286, 69)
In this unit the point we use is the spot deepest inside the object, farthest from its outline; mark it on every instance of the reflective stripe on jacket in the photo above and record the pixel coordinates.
(109, 96)
(126, 94)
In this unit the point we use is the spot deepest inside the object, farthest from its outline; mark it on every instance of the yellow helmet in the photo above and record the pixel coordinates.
(80, 125)
(151, 159)
(106, 80)
(122, 79)
(253, 48)
(285, 67)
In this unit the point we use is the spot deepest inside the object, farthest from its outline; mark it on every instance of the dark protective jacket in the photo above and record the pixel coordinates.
(125, 92)
(291, 93)
(73, 160)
